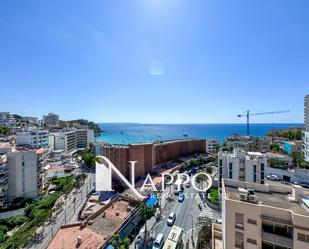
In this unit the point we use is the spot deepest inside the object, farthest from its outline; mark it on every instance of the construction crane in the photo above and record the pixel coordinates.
(248, 114)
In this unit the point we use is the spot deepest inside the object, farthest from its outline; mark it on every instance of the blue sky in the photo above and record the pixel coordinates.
(155, 61)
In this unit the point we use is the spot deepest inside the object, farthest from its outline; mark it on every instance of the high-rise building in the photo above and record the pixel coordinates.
(3, 179)
(22, 174)
(262, 216)
(34, 137)
(7, 119)
(30, 120)
(306, 131)
(51, 120)
(84, 137)
(65, 140)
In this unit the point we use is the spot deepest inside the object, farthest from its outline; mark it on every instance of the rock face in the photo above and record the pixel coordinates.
(149, 154)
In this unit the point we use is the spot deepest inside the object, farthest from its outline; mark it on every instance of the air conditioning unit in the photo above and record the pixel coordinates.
(243, 197)
(252, 198)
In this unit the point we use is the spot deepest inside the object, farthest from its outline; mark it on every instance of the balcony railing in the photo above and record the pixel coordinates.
(277, 239)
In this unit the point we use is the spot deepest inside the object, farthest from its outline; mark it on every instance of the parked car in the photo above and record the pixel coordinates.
(181, 197)
(273, 177)
(158, 243)
(171, 219)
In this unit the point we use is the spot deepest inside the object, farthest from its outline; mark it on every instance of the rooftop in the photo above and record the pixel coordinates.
(67, 238)
(273, 199)
(110, 220)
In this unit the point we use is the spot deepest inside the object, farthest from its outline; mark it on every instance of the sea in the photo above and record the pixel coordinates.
(130, 133)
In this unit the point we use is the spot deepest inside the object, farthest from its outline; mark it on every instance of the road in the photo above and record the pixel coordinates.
(187, 213)
(68, 214)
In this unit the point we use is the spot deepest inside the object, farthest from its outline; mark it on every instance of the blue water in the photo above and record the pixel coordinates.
(141, 133)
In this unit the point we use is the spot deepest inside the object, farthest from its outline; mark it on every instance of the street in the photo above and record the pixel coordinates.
(187, 213)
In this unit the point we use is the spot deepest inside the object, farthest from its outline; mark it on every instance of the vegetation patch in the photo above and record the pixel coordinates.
(213, 196)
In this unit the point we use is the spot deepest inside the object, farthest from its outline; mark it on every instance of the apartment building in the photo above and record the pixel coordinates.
(43, 154)
(250, 166)
(51, 119)
(292, 146)
(212, 145)
(30, 120)
(265, 216)
(242, 165)
(3, 180)
(248, 143)
(306, 131)
(7, 119)
(65, 140)
(84, 137)
(34, 137)
(22, 174)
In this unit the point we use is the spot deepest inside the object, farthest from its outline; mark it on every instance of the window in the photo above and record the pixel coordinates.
(303, 237)
(262, 166)
(252, 241)
(231, 174)
(230, 166)
(251, 221)
(220, 162)
(239, 220)
(239, 239)
(254, 169)
(254, 177)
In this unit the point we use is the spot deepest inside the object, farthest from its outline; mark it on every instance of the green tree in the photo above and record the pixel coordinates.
(4, 130)
(89, 158)
(118, 243)
(146, 213)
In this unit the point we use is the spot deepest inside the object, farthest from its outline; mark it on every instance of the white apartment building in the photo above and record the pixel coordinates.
(7, 119)
(306, 131)
(65, 141)
(30, 120)
(250, 166)
(241, 165)
(256, 216)
(51, 119)
(22, 174)
(3, 179)
(212, 145)
(34, 137)
(84, 137)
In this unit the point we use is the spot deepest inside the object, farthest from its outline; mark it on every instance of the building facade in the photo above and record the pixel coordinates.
(84, 137)
(34, 137)
(7, 119)
(292, 146)
(253, 166)
(266, 216)
(22, 174)
(51, 119)
(149, 155)
(212, 145)
(248, 143)
(65, 141)
(3, 180)
(306, 131)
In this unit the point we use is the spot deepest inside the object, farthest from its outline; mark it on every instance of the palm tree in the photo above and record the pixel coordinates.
(146, 213)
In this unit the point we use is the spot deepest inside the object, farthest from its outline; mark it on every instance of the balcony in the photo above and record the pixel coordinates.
(3, 159)
(277, 239)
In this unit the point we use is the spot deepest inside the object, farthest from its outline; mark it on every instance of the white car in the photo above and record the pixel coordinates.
(273, 177)
(171, 219)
